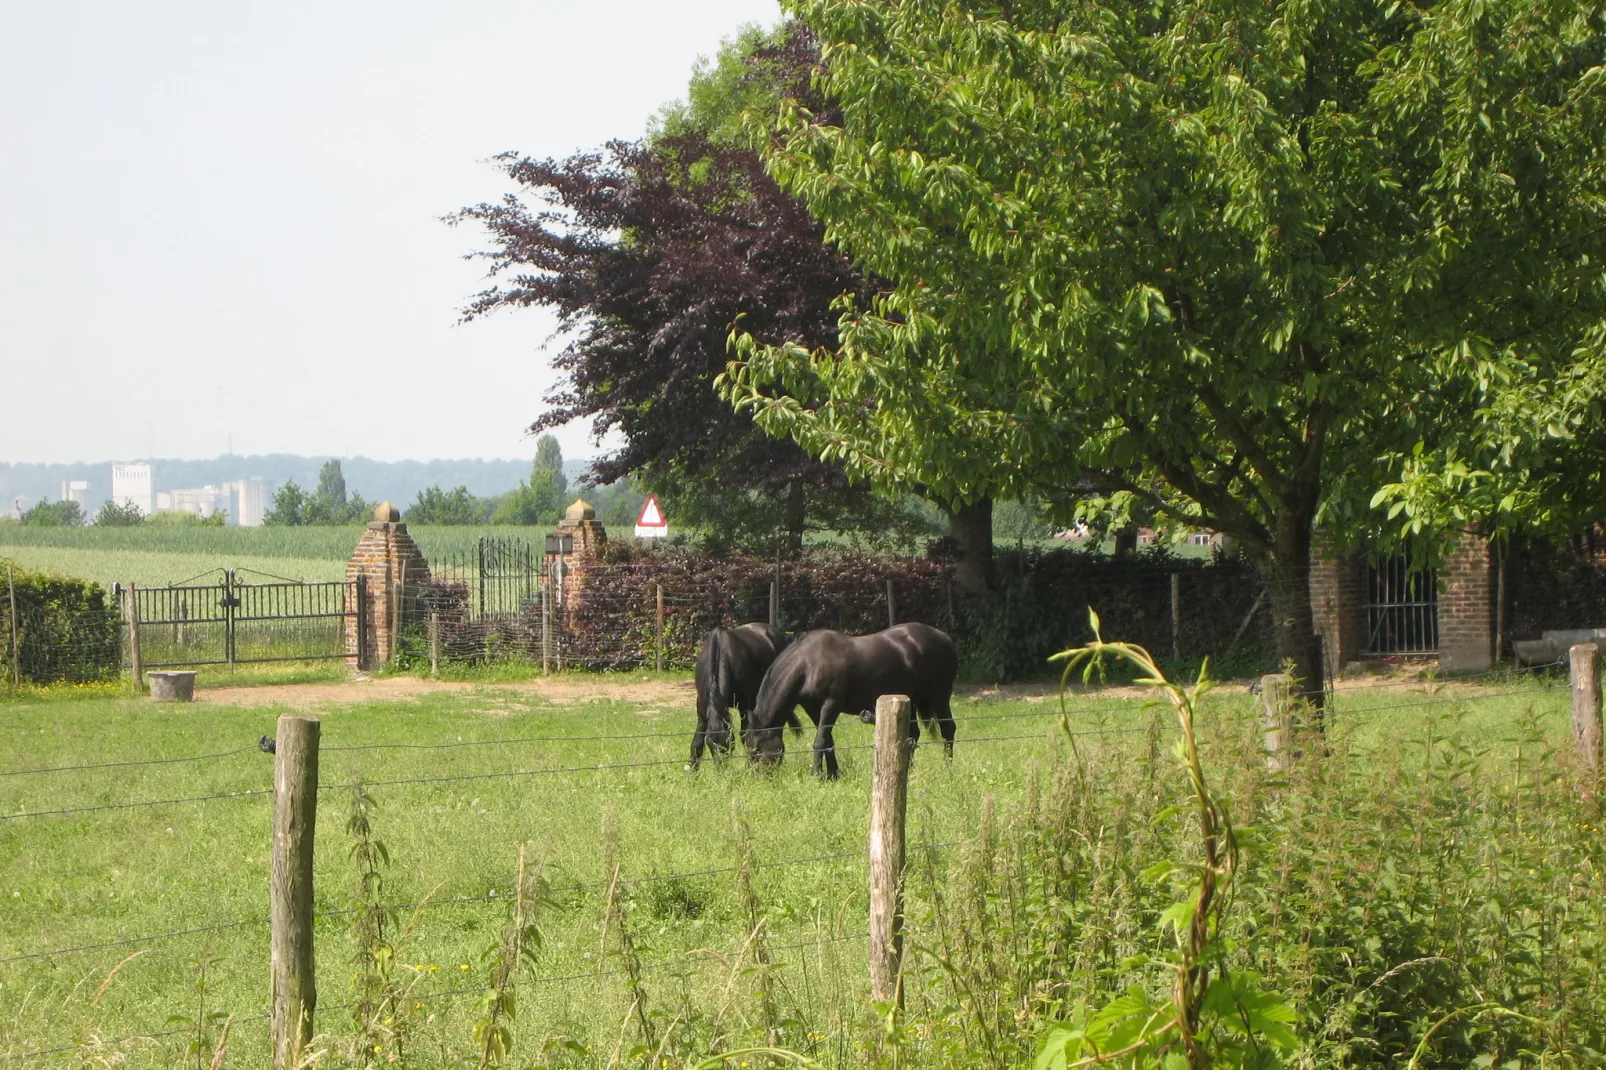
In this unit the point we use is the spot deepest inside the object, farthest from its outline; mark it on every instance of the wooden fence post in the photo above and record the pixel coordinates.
(1276, 713)
(1176, 616)
(295, 815)
(892, 605)
(775, 592)
(133, 639)
(434, 644)
(1584, 661)
(658, 659)
(16, 646)
(888, 795)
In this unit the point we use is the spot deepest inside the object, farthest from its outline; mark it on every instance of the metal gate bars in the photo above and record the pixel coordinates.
(231, 622)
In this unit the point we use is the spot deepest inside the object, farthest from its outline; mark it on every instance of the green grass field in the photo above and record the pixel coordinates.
(160, 554)
(113, 875)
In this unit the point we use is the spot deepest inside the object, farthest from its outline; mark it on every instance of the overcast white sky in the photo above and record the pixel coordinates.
(222, 218)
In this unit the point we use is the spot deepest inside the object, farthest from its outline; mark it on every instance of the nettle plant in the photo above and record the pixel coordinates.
(1214, 1016)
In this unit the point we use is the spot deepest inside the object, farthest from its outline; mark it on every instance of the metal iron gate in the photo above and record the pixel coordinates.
(502, 577)
(1402, 608)
(230, 622)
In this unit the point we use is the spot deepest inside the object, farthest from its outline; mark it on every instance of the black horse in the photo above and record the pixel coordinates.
(729, 670)
(829, 674)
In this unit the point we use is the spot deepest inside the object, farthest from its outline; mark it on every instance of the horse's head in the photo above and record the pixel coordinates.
(766, 744)
(765, 734)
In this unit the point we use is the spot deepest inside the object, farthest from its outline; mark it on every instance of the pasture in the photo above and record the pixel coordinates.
(1440, 825)
(160, 554)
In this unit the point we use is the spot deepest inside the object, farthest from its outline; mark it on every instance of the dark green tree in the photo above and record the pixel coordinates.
(112, 515)
(332, 486)
(541, 499)
(289, 508)
(457, 506)
(63, 514)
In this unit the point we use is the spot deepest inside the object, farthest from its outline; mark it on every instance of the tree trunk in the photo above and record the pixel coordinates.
(972, 529)
(796, 516)
(1126, 540)
(1288, 579)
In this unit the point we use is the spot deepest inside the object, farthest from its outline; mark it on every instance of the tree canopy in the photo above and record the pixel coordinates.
(328, 505)
(649, 252)
(1230, 260)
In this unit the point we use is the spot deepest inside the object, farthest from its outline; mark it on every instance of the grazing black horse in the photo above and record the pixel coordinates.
(829, 674)
(729, 669)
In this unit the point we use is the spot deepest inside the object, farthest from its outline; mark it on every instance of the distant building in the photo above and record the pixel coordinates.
(76, 490)
(250, 501)
(19, 505)
(134, 484)
(203, 502)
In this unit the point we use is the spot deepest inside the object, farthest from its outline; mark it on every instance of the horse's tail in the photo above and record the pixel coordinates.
(717, 712)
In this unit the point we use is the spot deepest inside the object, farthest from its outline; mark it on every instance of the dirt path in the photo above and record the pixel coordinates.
(559, 691)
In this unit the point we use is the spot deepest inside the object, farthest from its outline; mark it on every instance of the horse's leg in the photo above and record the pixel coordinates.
(942, 713)
(825, 739)
(698, 738)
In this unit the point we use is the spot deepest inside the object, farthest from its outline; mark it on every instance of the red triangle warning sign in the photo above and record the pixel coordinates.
(650, 522)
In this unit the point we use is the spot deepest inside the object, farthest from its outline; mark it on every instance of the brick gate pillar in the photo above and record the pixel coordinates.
(1338, 601)
(391, 563)
(1466, 606)
(585, 536)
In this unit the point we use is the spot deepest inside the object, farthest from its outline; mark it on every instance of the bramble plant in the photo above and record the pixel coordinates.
(1215, 1016)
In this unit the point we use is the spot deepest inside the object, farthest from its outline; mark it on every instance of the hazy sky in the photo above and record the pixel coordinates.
(223, 218)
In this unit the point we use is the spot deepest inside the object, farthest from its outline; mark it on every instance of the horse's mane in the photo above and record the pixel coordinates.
(779, 667)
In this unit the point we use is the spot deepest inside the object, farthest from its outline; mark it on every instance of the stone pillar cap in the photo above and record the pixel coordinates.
(580, 510)
(385, 513)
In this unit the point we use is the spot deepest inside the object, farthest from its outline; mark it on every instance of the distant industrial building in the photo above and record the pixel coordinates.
(250, 501)
(243, 501)
(76, 490)
(204, 502)
(134, 484)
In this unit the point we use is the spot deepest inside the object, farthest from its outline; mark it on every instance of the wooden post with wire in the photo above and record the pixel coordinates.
(290, 901)
(134, 665)
(434, 644)
(1277, 719)
(892, 605)
(16, 646)
(1584, 663)
(888, 805)
(658, 657)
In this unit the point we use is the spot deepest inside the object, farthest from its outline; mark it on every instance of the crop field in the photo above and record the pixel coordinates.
(160, 554)
(1439, 820)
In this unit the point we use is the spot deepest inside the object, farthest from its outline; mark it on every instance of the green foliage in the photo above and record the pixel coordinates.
(1235, 260)
(183, 518)
(63, 514)
(294, 507)
(455, 507)
(112, 515)
(724, 89)
(541, 500)
(1216, 1016)
(65, 628)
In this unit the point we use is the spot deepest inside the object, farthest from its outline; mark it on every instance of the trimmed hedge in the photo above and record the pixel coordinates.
(66, 629)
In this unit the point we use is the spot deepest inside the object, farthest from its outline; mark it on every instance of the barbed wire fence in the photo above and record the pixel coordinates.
(1077, 727)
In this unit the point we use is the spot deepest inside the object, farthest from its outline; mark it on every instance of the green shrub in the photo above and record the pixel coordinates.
(62, 628)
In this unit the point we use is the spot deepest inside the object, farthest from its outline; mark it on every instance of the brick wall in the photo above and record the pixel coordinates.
(391, 563)
(1338, 581)
(1466, 606)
